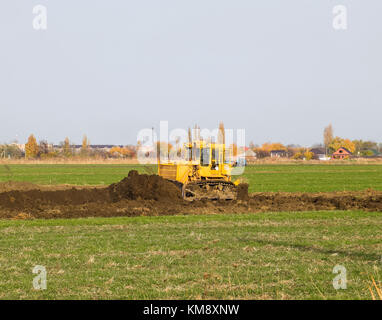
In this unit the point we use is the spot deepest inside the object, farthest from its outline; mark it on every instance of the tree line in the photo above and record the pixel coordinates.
(330, 144)
(66, 149)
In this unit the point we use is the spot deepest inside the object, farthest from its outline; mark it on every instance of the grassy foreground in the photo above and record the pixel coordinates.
(261, 178)
(251, 256)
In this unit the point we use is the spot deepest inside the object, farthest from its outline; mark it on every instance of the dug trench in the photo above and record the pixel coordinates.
(151, 195)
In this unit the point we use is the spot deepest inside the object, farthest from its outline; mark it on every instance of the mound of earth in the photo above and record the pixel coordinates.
(15, 185)
(144, 187)
(151, 195)
(242, 191)
(368, 200)
(36, 200)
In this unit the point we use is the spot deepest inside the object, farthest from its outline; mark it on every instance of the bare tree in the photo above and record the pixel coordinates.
(221, 134)
(328, 136)
(43, 147)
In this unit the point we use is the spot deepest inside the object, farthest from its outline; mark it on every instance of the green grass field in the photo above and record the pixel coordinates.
(261, 178)
(248, 256)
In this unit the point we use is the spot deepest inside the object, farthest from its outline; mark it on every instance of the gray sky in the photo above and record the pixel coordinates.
(109, 68)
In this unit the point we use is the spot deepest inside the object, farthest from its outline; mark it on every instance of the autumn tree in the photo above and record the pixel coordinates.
(66, 149)
(365, 148)
(338, 142)
(85, 146)
(115, 150)
(118, 151)
(298, 156)
(308, 155)
(273, 146)
(265, 150)
(31, 147)
(328, 136)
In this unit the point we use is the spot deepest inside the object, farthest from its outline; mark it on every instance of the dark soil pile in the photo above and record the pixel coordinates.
(283, 201)
(151, 195)
(242, 191)
(145, 187)
(33, 200)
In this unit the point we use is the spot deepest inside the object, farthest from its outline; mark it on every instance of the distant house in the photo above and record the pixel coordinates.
(341, 153)
(20, 146)
(278, 154)
(250, 156)
(319, 153)
(372, 153)
(375, 152)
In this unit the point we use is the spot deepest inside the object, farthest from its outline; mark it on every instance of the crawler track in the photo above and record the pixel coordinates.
(209, 190)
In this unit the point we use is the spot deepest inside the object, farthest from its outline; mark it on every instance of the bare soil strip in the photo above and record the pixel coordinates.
(151, 195)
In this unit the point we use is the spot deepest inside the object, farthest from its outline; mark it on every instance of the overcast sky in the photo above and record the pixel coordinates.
(109, 68)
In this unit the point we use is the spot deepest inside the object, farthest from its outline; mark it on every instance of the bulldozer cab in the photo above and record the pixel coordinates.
(209, 156)
(203, 171)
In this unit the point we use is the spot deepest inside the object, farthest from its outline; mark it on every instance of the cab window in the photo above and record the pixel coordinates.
(196, 154)
(205, 159)
(227, 156)
(188, 154)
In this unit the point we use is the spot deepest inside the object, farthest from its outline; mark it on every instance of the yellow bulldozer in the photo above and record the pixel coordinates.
(203, 171)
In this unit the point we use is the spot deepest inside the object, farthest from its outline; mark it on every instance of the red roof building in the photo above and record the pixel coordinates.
(341, 153)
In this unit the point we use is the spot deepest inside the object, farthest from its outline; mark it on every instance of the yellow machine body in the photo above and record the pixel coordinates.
(202, 170)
